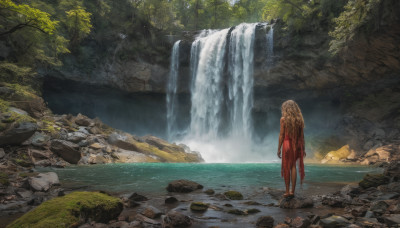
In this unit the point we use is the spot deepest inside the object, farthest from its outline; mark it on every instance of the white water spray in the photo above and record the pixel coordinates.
(172, 85)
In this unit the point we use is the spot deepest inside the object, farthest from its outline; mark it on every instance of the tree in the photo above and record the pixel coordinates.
(78, 23)
(16, 17)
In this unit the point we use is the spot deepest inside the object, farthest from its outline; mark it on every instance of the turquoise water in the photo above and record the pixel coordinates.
(152, 178)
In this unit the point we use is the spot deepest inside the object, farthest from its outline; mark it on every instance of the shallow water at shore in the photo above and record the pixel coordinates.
(152, 178)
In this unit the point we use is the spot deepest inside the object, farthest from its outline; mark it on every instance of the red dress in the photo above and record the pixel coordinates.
(291, 155)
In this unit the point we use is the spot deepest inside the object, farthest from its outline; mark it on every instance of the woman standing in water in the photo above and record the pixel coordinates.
(291, 140)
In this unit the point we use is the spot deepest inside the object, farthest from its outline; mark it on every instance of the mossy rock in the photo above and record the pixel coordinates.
(72, 210)
(373, 180)
(198, 206)
(237, 212)
(233, 195)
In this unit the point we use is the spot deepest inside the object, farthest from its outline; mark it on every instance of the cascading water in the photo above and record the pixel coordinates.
(221, 65)
(171, 91)
(270, 46)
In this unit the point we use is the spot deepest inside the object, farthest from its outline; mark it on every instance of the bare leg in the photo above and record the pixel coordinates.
(294, 177)
(287, 183)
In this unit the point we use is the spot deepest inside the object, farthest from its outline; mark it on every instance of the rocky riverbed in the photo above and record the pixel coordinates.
(373, 202)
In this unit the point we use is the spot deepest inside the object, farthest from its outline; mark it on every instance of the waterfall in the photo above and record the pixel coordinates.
(270, 46)
(240, 82)
(221, 88)
(207, 97)
(172, 85)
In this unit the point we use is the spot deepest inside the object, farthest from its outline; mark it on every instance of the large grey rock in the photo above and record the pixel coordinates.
(151, 212)
(39, 139)
(76, 136)
(175, 219)
(183, 186)
(17, 133)
(123, 141)
(66, 150)
(43, 181)
(334, 221)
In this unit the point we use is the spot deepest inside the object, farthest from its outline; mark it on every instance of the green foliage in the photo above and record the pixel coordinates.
(23, 16)
(67, 211)
(78, 24)
(357, 16)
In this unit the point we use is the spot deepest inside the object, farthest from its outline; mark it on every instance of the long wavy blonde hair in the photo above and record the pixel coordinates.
(293, 121)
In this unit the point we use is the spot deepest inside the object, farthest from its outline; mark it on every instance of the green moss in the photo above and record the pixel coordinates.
(198, 206)
(234, 195)
(4, 105)
(71, 210)
(49, 126)
(4, 179)
(22, 93)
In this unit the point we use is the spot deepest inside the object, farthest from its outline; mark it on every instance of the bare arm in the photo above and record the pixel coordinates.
(281, 137)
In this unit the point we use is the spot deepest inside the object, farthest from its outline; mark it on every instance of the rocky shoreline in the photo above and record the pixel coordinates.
(374, 202)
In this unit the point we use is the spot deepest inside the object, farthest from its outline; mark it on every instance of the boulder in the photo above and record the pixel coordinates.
(209, 192)
(233, 195)
(66, 150)
(379, 154)
(175, 219)
(38, 154)
(39, 139)
(151, 212)
(373, 180)
(171, 200)
(336, 156)
(265, 222)
(296, 202)
(198, 206)
(379, 207)
(300, 222)
(17, 133)
(123, 141)
(334, 221)
(76, 136)
(82, 120)
(137, 197)
(43, 181)
(183, 186)
(72, 210)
